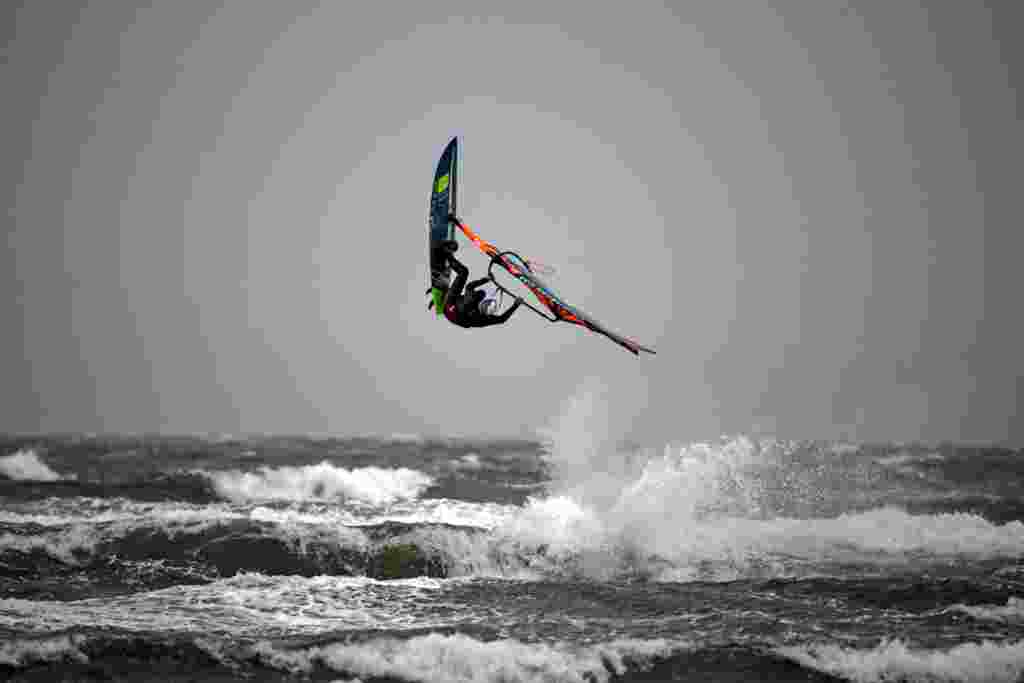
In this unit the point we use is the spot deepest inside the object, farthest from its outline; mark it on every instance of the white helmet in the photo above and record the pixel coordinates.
(489, 304)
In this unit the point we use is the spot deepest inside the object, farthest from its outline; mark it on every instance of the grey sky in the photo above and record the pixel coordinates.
(215, 215)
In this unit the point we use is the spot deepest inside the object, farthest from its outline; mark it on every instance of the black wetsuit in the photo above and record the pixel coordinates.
(463, 308)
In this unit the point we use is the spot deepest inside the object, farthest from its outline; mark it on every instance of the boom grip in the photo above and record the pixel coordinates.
(499, 258)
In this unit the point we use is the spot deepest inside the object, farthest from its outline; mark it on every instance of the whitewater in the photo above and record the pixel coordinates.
(565, 557)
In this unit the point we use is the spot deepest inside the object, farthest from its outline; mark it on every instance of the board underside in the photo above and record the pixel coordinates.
(442, 205)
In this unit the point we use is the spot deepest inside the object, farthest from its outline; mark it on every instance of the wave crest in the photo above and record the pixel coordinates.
(26, 466)
(460, 658)
(1013, 610)
(22, 652)
(324, 481)
(893, 660)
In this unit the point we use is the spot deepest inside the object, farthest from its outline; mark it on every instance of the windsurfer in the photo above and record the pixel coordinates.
(466, 305)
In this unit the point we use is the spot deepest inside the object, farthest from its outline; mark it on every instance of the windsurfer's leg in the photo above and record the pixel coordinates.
(461, 275)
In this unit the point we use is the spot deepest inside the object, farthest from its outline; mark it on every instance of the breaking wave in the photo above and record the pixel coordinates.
(572, 537)
(457, 658)
(893, 660)
(444, 658)
(23, 652)
(549, 538)
(735, 508)
(1013, 610)
(324, 481)
(26, 466)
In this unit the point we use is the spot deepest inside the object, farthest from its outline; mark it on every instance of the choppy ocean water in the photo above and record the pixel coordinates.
(421, 559)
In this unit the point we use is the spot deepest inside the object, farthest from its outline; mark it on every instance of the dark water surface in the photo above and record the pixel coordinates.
(412, 559)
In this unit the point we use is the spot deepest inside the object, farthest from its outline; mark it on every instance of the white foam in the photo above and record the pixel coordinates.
(63, 511)
(893, 660)
(66, 545)
(470, 461)
(21, 652)
(294, 604)
(76, 527)
(844, 448)
(252, 605)
(460, 659)
(1013, 610)
(70, 543)
(323, 481)
(904, 458)
(661, 537)
(58, 512)
(433, 511)
(26, 466)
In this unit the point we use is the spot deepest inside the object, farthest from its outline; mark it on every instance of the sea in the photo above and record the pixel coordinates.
(554, 557)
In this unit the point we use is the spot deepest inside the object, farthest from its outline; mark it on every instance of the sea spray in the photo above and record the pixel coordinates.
(728, 509)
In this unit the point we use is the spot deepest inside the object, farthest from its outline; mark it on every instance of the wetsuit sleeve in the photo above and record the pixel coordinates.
(499, 319)
(507, 314)
(476, 283)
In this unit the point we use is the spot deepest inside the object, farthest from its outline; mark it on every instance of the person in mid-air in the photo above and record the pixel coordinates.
(466, 305)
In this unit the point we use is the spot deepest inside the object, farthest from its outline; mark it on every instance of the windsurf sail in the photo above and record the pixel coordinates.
(556, 308)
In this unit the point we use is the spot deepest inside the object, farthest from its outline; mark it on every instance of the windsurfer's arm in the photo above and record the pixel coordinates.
(498, 319)
(476, 283)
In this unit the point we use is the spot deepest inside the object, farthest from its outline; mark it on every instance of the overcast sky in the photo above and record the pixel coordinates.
(215, 215)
